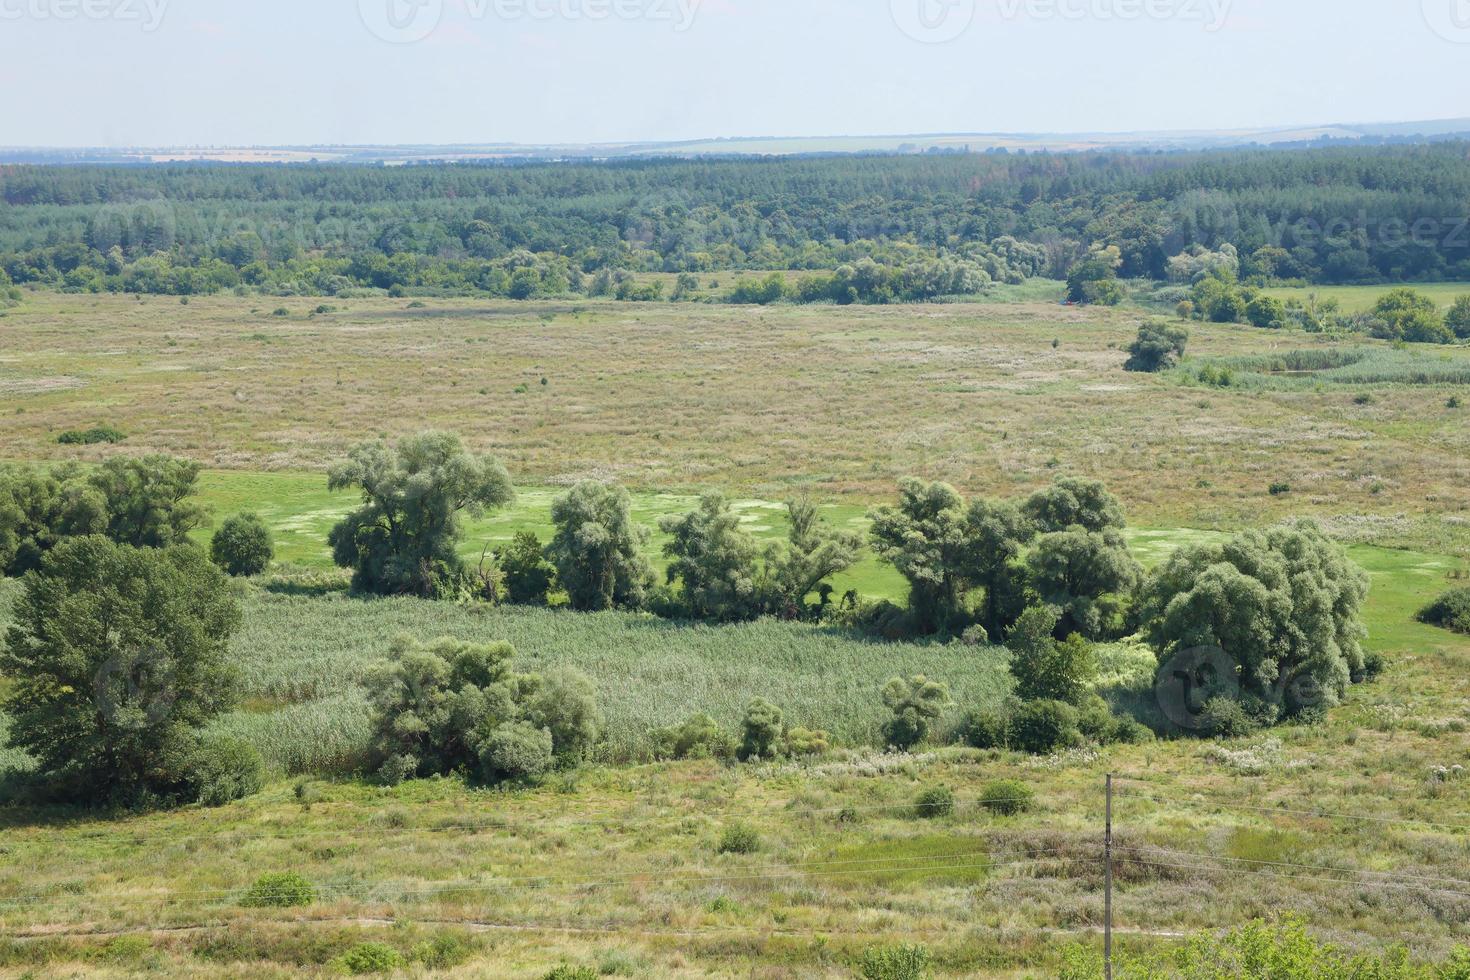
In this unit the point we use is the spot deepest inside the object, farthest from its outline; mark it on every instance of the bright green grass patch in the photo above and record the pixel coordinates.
(1419, 364)
(905, 862)
(1358, 299)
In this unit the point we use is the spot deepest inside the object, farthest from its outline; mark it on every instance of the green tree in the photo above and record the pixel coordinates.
(242, 545)
(925, 539)
(117, 656)
(403, 539)
(1047, 669)
(1412, 316)
(39, 508)
(1266, 311)
(917, 703)
(761, 731)
(811, 554)
(1158, 347)
(1095, 278)
(1074, 501)
(1088, 575)
(147, 500)
(597, 549)
(715, 559)
(1284, 604)
(528, 575)
(995, 534)
(1458, 318)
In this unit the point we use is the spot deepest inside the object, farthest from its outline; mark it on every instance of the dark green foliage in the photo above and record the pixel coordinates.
(899, 962)
(1074, 501)
(1412, 316)
(41, 507)
(995, 534)
(1007, 797)
(1095, 278)
(1044, 668)
(1266, 311)
(597, 549)
(1039, 727)
(739, 838)
(223, 770)
(1284, 604)
(528, 575)
(989, 729)
(1158, 347)
(279, 889)
(564, 704)
(402, 540)
(715, 560)
(566, 972)
(117, 656)
(1458, 318)
(1089, 576)
(1451, 611)
(242, 545)
(1227, 718)
(761, 731)
(91, 437)
(925, 539)
(934, 802)
(916, 703)
(698, 738)
(147, 500)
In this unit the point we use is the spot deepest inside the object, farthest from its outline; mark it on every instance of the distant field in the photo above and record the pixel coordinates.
(1357, 299)
(996, 398)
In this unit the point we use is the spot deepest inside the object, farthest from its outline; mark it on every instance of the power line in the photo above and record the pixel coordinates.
(1277, 874)
(1399, 875)
(1323, 814)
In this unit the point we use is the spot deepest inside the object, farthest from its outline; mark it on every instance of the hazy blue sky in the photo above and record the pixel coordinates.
(153, 72)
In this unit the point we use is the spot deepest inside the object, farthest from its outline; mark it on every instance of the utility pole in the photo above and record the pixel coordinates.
(1108, 885)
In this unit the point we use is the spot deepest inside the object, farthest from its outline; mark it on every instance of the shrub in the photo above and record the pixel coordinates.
(565, 972)
(698, 738)
(279, 889)
(1227, 718)
(1278, 489)
(761, 731)
(1451, 611)
(934, 802)
(739, 838)
(367, 958)
(224, 770)
(916, 704)
(1007, 797)
(1044, 726)
(806, 742)
(91, 437)
(565, 705)
(898, 962)
(1044, 668)
(242, 545)
(988, 730)
(516, 751)
(1159, 346)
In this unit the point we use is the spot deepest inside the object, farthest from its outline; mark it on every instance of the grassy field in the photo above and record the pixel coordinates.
(762, 402)
(617, 866)
(1358, 299)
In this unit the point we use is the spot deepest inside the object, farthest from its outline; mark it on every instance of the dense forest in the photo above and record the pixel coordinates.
(932, 225)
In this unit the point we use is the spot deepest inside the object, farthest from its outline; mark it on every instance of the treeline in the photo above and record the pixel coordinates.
(1323, 215)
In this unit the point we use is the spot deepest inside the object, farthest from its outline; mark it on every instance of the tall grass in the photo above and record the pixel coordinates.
(1343, 366)
(311, 654)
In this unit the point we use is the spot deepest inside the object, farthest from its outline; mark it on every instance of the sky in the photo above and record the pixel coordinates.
(282, 72)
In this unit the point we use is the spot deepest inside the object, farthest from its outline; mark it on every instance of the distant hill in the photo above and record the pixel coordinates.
(1288, 137)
